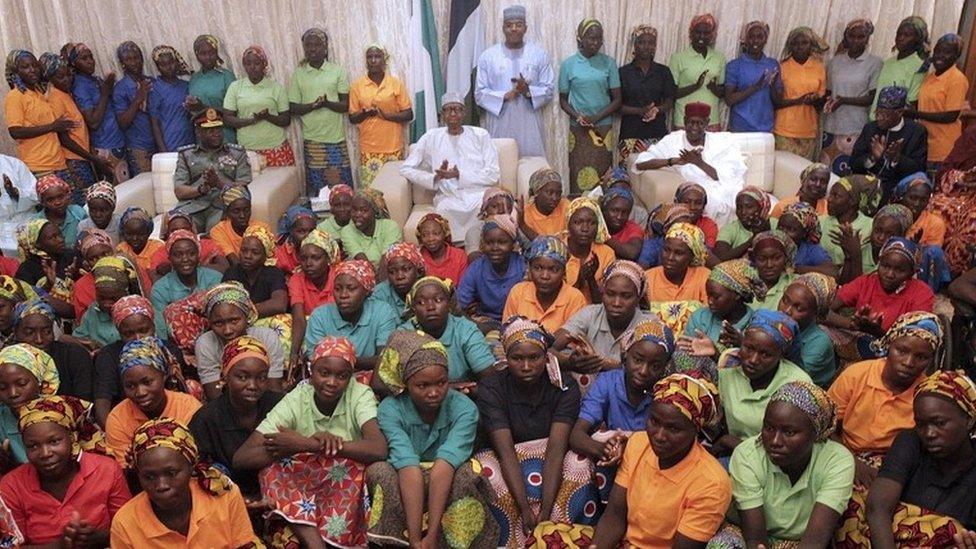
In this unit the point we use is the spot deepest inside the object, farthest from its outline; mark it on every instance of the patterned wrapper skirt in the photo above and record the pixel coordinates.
(326, 164)
(576, 502)
(850, 345)
(805, 147)
(370, 164)
(315, 490)
(956, 204)
(467, 522)
(116, 157)
(279, 156)
(835, 151)
(731, 537)
(588, 161)
(82, 176)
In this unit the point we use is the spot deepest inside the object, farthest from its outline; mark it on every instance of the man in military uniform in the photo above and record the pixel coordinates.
(205, 169)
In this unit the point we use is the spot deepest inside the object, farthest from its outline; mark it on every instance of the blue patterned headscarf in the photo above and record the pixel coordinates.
(913, 180)
(51, 63)
(548, 247)
(652, 330)
(10, 69)
(136, 213)
(902, 246)
(618, 192)
(35, 306)
(292, 215)
(146, 351)
(779, 326)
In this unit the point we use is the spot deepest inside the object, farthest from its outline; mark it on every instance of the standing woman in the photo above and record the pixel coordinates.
(257, 107)
(851, 78)
(130, 106)
(647, 95)
(380, 105)
(318, 94)
(940, 99)
(699, 71)
(209, 85)
(168, 114)
(93, 95)
(748, 82)
(799, 93)
(589, 92)
(903, 69)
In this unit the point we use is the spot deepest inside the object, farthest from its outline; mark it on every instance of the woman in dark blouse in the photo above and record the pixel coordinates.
(528, 410)
(256, 270)
(34, 324)
(647, 88)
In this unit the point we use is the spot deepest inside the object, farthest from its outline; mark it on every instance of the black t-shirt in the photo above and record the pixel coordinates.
(74, 365)
(923, 484)
(638, 90)
(527, 416)
(269, 280)
(108, 386)
(30, 271)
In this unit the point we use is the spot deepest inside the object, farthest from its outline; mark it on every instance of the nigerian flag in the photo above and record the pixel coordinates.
(464, 47)
(424, 80)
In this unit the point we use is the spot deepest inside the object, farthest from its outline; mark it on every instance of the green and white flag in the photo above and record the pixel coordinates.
(425, 80)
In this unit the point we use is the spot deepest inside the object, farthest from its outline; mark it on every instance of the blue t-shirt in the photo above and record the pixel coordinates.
(754, 113)
(809, 254)
(166, 105)
(606, 402)
(650, 254)
(139, 134)
(86, 92)
(482, 285)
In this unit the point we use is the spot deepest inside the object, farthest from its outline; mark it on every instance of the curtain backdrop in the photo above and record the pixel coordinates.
(277, 26)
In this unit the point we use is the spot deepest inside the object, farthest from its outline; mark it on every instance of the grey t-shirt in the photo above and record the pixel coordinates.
(209, 351)
(850, 78)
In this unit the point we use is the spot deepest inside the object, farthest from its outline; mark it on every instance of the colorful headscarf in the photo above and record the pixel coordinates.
(51, 63)
(92, 238)
(443, 283)
(235, 192)
(811, 169)
(171, 434)
(692, 394)
(408, 251)
(760, 196)
(909, 182)
(213, 41)
(291, 216)
(360, 270)
(490, 194)
(954, 385)
(817, 44)
(146, 351)
(174, 214)
(258, 52)
(640, 30)
(233, 293)
(35, 361)
(585, 25)
(31, 307)
(542, 177)
(602, 234)
(779, 237)
(116, 272)
(892, 97)
(822, 287)
(900, 213)
(139, 214)
(16, 290)
(739, 276)
(50, 182)
(813, 402)
(72, 50)
(747, 28)
(864, 24)
(319, 33)
(925, 326)
(335, 347)
(693, 237)
(267, 240)
(159, 51)
(548, 247)
(27, 235)
(69, 412)
(375, 199)
(324, 241)
(779, 326)
(807, 216)
(922, 29)
(519, 329)
(131, 305)
(629, 270)
(127, 46)
(406, 354)
(339, 190)
(709, 20)
(619, 191)
(667, 215)
(902, 246)
(181, 234)
(103, 190)
(652, 330)
(865, 191)
(440, 220)
(506, 223)
(10, 69)
(240, 348)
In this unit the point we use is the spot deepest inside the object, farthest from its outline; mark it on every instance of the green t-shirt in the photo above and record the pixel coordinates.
(862, 223)
(899, 72)
(297, 411)
(686, 66)
(745, 408)
(210, 87)
(386, 233)
(734, 233)
(774, 294)
(308, 84)
(247, 98)
(413, 441)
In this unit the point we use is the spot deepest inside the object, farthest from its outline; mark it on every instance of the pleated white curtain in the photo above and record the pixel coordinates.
(277, 26)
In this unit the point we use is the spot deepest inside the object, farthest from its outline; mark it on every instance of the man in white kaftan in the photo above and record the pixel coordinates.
(514, 82)
(456, 162)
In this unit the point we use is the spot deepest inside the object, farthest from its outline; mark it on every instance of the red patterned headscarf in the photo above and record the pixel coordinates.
(335, 347)
(171, 434)
(132, 305)
(359, 269)
(181, 234)
(48, 182)
(694, 396)
(240, 348)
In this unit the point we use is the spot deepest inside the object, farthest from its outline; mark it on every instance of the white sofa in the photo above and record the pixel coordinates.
(273, 190)
(408, 202)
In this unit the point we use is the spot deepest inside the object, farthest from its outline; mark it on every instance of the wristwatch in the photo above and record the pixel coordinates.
(670, 162)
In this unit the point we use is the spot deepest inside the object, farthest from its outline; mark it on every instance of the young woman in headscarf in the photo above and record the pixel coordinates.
(264, 281)
(167, 106)
(773, 254)
(54, 195)
(749, 81)
(380, 105)
(313, 448)
(544, 296)
(186, 277)
(751, 218)
(136, 226)
(318, 94)
(730, 287)
(185, 502)
(915, 192)
(130, 107)
(791, 482)
(93, 245)
(32, 119)
(682, 274)
(229, 232)
(895, 220)
(589, 93)
(528, 410)
(12, 292)
(371, 231)
(293, 227)
(941, 97)
(210, 253)
(669, 491)
(936, 457)
(34, 322)
(101, 200)
(625, 237)
(852, 77)
(699, 71)
(257, 107)
(441, 257)
(312, 285)
(903, 68)
(695, 198)
(65, 492)
(800, 222)
(115, 277)
(209, 85)
(489, 278)
(545, 213)
(146, 368)
(846, 228)
(26, 373)
(799, 93)
(813, 190)
(404, 266)
(807, 301)
(647, 95)
(426, 458)
(340, 210)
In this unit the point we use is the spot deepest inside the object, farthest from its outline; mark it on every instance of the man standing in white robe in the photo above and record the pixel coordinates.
(711, 159)
(514, 82)
(457, 162)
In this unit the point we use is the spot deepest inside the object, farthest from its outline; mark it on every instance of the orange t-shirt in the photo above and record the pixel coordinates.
(790, 200)
(800, 121)
(604, 256)
(376, 135)
(66, 105)
(126, 417)
(942, 93)
(547, 225)
(872, 416)
(224, 235)
(933, 228)
(692, 288)
(215, 521)
(32, 108)
(522, 301)
(145, 259)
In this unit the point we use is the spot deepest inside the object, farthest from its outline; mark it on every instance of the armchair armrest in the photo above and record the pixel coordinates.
(396, 191)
